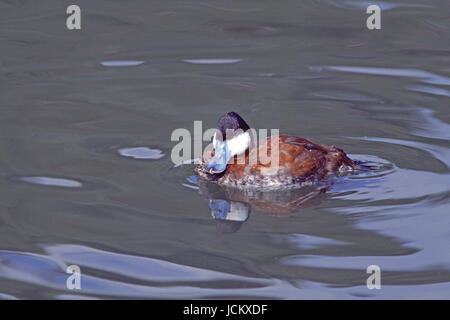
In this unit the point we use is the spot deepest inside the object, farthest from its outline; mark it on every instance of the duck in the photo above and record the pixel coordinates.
(236, 158)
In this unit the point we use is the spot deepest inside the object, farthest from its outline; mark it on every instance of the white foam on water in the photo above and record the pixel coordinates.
(56, 182)
(141, 153)
(121, 63)
(212, 61)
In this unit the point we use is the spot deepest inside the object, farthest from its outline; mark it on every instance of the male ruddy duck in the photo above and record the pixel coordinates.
(300, 161)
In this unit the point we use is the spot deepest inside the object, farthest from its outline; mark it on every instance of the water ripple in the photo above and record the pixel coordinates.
(212, 61)
(48, 181)
(420, 75)
(430, 90)
(157, 278)
(141, 153)
(440, 153)
(121, 63)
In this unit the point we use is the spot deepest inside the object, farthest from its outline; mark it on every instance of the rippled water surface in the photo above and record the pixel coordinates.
(86, 176)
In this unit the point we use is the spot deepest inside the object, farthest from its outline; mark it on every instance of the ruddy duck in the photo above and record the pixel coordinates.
(299, 162)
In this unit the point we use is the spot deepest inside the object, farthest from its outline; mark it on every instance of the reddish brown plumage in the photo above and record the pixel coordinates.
(300, 161)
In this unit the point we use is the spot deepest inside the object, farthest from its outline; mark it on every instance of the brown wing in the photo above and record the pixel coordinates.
(298, 158)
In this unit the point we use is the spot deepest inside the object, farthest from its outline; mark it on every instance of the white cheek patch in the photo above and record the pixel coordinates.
(239, 144)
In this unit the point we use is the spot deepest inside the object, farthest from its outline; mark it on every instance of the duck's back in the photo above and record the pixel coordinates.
(300, 161)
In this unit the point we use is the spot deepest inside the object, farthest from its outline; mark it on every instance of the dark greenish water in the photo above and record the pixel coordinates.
(86, 176)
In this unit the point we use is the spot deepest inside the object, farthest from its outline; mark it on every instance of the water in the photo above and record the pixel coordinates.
(86, 176)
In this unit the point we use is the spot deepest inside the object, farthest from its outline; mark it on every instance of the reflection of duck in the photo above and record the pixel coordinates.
(299, 161)
(269, 200)
(231, 207)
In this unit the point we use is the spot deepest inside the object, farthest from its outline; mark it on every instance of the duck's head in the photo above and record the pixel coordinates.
(231, 138)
